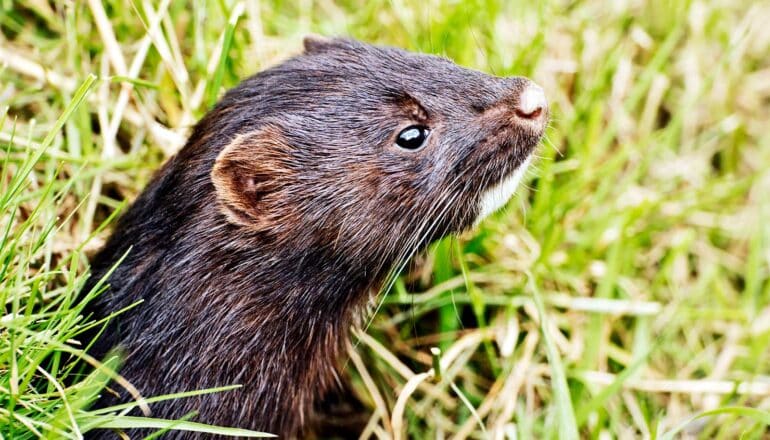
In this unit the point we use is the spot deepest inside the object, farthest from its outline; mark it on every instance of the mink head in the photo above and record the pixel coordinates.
(371, 152)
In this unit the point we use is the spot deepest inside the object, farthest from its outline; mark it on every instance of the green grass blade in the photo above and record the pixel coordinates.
(567, 425)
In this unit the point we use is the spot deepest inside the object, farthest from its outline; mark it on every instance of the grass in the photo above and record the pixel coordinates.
(624, 293)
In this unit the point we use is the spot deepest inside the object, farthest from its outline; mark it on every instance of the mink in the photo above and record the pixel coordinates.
(255, 248)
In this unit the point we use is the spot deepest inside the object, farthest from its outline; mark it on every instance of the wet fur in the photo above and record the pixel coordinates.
(258, 245)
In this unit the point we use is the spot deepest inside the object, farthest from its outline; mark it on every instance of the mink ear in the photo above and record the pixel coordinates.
(250, 176)
(319, 44)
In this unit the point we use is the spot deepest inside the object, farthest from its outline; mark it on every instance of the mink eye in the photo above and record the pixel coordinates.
(412, 137)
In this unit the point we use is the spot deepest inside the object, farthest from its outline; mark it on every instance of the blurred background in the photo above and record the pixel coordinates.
(623, 293)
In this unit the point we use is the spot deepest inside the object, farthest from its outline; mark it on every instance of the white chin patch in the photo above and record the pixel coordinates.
(497, 196)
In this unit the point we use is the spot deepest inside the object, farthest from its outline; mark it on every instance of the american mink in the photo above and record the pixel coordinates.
(260, 243)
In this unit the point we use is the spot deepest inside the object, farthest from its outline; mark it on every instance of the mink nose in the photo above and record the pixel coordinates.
(532, 105)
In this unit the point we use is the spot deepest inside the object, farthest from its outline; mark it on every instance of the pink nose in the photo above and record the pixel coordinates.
(532, 103)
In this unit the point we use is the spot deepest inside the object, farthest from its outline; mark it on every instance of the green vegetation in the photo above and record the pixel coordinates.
(624, 292)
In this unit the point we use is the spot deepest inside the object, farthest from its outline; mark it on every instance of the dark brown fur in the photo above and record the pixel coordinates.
(258, 245)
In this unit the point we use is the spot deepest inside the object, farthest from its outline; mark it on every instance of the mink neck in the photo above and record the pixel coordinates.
(290, 309)
(311, 282)
(255, 311)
